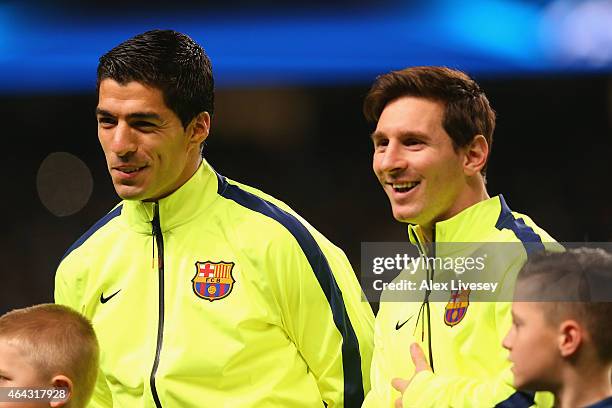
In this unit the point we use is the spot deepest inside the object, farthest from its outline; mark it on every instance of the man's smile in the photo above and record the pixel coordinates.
(403, 187)
(130, 171)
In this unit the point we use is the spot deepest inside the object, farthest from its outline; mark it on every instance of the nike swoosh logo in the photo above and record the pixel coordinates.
(106, 299)
(399, 326)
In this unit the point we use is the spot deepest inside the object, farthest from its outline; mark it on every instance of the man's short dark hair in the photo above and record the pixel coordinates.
(569, 285)
(169, 61)
(467, 111)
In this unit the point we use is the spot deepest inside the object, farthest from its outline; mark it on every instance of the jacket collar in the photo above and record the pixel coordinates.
(178, 208)
(466, 226)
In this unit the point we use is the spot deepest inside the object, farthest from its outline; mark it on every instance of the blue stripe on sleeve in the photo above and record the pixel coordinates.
(531, 241)
(101, 222)
(520, 399)
(351, 358)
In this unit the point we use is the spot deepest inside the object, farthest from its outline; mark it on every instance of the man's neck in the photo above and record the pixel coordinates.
(582, 388)
(475, 195)
(187, 174)
(425, 235)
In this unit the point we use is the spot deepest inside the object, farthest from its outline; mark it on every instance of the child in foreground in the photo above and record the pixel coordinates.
(47, 347)
(561, 335)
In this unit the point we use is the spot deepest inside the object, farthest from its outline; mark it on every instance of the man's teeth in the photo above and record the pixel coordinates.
(131, 170)
(404, 186)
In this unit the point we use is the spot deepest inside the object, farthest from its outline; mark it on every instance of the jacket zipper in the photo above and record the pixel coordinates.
(425, 304)
(159, 238)
(433, 250)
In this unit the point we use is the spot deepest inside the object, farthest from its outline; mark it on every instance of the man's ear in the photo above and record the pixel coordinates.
(199, 128)
(63, 382)
(571, 337)
(476, 155)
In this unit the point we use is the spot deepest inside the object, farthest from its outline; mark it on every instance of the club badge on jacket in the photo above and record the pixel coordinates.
(457, 306)
(213, 280)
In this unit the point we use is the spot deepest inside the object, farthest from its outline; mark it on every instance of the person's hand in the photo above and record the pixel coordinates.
(420, 364)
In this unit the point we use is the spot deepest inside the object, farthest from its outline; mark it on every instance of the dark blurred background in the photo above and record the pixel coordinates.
(290, 84)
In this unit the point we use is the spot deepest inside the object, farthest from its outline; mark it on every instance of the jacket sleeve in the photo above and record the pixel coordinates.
(324, 315)
(431, 390)
(67, 292)
(101, 397)
(380, 395)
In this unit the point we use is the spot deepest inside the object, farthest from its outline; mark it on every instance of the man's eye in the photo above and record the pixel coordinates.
(412, 142)
(106, 121)
(381, 143)
(144, 126)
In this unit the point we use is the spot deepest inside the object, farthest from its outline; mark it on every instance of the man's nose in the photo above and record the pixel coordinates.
(394, 158)
(124, 140)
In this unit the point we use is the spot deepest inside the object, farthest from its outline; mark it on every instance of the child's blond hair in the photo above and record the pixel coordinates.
(55, 340)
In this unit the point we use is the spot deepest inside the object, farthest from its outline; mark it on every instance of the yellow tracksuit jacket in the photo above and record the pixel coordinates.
(218, 296)
(470, 364)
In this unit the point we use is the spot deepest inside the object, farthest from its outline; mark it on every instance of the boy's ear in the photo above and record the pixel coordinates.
(570, 337)
(61, 381)
(476, 155)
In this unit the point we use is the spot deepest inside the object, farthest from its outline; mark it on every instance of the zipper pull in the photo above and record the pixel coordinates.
(154, 229)
(157, 237)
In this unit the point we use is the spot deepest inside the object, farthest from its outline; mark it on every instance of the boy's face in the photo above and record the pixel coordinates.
(16, 371)
(532, 342)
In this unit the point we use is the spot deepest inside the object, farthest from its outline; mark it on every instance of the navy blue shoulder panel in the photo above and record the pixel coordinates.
(506, 220)
(101, 222)
(532, 243)
(520, 399)
(604, 403)
(351, 358)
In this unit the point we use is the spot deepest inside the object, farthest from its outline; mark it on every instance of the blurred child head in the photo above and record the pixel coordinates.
(48, 346)
(561, 317)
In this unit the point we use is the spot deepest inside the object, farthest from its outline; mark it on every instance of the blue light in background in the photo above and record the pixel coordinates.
(503, 28)
(44, 50)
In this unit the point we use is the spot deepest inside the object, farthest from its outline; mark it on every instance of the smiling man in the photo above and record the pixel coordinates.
(433, 137)
(148, 152)
(204, 291)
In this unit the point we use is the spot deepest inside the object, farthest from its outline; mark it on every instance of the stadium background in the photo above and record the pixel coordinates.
(290, 83)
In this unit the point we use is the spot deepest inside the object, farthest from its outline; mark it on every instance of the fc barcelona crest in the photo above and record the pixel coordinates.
(213, 280)
(457, 306)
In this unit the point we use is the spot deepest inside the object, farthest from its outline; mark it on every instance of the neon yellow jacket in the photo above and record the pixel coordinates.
(470, 364)
(218, 296)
